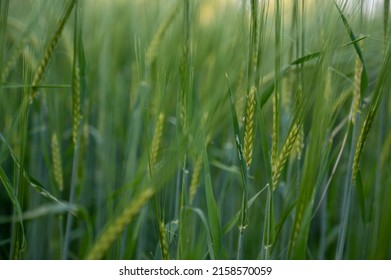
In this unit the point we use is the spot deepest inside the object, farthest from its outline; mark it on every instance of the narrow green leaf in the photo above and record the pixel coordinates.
(213, 216)
(183, 218)
(360, 195)
(268, 90)
(234, 220)
(243, 169)
(269, 226)
(264, 141)
(269, 223)
(11, 194)
(306, 58)
(34, 183)
(285, 212)
(298, 245)
(311, 56)
(266, 93)
(40, 211)
(364, 75)
(204, 221)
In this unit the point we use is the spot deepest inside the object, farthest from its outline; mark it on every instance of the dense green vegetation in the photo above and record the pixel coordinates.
(195, 129)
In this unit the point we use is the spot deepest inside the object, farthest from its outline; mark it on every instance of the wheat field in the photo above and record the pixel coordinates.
(195, 129)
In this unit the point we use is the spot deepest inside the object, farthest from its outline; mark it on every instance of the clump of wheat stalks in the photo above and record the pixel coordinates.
(114, 230)
(249, 127)
(284, 154)
(163, 243)
(157, 139)
(157, 38)
(76, 105)
(40, 71)
(57, 166)
(195, 179)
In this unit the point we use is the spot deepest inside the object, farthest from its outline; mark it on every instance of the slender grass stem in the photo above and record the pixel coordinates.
(69, 220)
(346, 200)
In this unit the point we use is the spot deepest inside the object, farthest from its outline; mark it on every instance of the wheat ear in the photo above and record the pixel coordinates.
(163, 243)
(195, 179)
(158, 36)
(157, 139)
(57, 166)
(283, 157)
(112, 232)
(40, 71)
(249, 127)
(361, 141)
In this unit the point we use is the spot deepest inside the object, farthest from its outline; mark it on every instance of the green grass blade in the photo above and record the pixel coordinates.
(238, 136)
(213, 215)
(204, 221)
(12, 196)
(235, 219)
(360, 195)
(72, 194)
(314, 55)
(3, 27)
(364, 75)
(34, 183)
(243, 170)
(269, 224)
(184, 233)
(306, 58)
(40, 211)
(269, 89)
